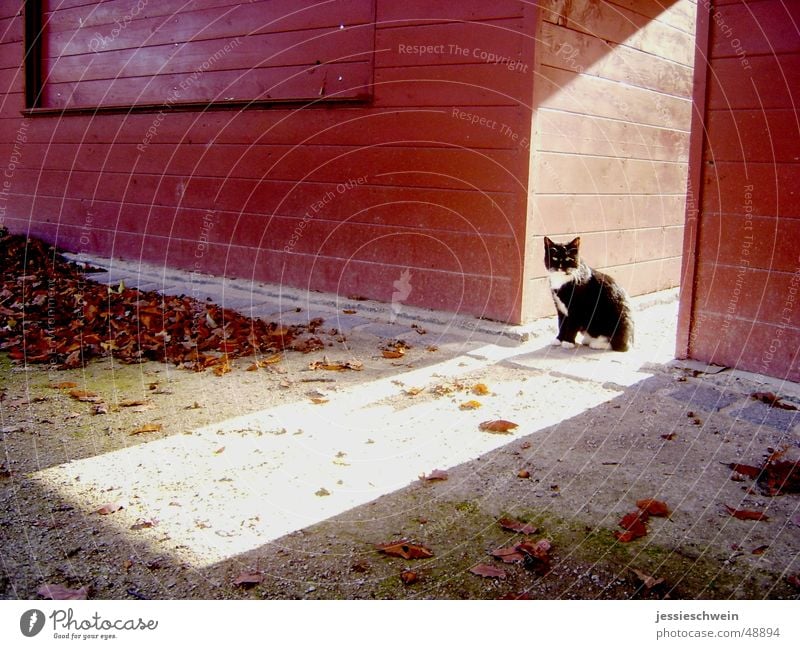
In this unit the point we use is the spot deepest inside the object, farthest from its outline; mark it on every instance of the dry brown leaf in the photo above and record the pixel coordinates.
(221, 449)
(485, 570)
(130, 403)
(56, 591)
(110, 508)
(648, 582)
(248, 579)
(760, 549)
(147, 428)
(348, 311)
(470, 405)
(409, 577)
(653, 507)
(481, 389)
(508, 554)
(747, 514)
(514, 525)
(393, 353)
(405, 550)
(436, 474)
(501, 426)
(413, 392)
(773, 400)
(85, 395)
(144, 524)
(780, 478)
(223, 368)
(319, 400)
(63, 385)
(524, 474)
(744, 469)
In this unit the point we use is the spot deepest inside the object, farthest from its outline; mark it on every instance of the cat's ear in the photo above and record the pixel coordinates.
(575, 243)
(547, 242)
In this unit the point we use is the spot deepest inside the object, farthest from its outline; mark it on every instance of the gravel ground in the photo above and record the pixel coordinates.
(286, 478)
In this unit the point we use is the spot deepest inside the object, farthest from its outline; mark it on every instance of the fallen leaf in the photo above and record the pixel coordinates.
(773, 400)
(794, 580)
(745, 469)
(498, 426)
(480, 389)
(223, 368)
(221, 449)
(485, 570)
(63, 385)
(760, 549)
(85, 395)
(413, 392)
(540, 549)
(634, 525)
(409, 577)
(648, 582)
(144, 524)
(747, 514)
(130, 403)
(55, 591)
(248, 579)
(470, 405)
(349, 311)
(436, 474)
(393, 353)
(322, 491)
(147, 428)
(508, 554)
(668, 436)
(405, 550)
(514, 525)
(110, 508)
(524, 474)
(319, 400)
(780, 478)
(653, 507)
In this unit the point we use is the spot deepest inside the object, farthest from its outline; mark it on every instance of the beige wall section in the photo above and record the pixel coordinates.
(610, 139)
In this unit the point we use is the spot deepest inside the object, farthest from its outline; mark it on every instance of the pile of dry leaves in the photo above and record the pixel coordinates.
(50, 313)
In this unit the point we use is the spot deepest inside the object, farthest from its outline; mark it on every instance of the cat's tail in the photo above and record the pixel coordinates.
(622, 340)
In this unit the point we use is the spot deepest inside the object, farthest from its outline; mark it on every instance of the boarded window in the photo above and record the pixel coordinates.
(146, 53)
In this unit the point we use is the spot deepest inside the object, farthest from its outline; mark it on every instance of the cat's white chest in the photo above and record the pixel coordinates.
(558, 278)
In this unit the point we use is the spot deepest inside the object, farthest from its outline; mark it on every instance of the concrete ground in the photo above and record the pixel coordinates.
(294, 474)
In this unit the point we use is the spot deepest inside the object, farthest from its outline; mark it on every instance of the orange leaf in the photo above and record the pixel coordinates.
(480, 389)
(516, 526)
(508, 555)
(85, 395)
(409, 577)
(498, 426)
(747, 514)
(63, 385)
(653, 507)
(405, 550)
(470, 405)
(147, 428)
(484, 570)
(436, 474)
(110, 508)
(393, 353)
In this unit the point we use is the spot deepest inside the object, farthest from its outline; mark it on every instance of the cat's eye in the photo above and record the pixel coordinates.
(553, 251)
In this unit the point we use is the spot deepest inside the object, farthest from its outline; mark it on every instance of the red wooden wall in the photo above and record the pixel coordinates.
(391, 154)
(741, 303)
(611, 138)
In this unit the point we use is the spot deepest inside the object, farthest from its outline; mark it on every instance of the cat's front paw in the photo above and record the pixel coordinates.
(567, 345)
(555, 342)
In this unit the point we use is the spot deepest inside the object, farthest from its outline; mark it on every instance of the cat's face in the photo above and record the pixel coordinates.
(562, 257)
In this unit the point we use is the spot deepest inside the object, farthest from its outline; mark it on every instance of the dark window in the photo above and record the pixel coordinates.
(89, 55)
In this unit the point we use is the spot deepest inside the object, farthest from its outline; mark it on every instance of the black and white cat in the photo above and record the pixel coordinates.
(587, 301)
